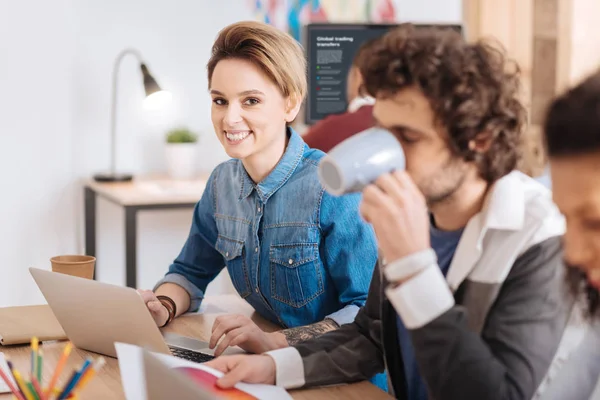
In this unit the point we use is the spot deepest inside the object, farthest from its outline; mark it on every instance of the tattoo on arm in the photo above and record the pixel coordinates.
(302, 333)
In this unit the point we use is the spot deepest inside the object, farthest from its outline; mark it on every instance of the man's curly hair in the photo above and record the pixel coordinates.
(471, 87)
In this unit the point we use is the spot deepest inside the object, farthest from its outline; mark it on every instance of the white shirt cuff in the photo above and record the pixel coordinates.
(289, 368)
(412, 264)
(421, 299)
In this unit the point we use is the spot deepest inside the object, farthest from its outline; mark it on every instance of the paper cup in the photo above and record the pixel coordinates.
(75, 265)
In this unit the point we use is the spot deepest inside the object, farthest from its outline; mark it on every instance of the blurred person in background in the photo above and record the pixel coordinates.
(335, 128)
(572, 135)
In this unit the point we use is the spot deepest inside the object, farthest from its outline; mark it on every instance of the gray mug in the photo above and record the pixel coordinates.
(360, 160)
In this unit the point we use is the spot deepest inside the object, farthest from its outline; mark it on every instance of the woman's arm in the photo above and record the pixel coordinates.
(197, 264)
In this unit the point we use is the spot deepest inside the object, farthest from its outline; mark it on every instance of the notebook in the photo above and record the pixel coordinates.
(140, 377)
(19, 324)
(163, 382)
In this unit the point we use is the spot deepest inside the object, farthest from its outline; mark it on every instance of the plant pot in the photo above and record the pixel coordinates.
(181, 160)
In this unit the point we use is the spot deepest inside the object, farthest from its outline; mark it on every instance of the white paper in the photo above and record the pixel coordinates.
(4, 366)
(173, 188)
(132, 375)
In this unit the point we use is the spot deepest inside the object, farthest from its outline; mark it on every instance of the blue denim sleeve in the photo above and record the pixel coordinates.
(349, 252)
(198, 262)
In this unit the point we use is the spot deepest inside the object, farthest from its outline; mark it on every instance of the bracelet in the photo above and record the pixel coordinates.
(170, 306)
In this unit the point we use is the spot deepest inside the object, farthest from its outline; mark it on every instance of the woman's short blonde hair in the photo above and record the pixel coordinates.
(275, 52)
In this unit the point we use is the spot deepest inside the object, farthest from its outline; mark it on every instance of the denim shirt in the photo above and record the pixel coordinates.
(294, 252)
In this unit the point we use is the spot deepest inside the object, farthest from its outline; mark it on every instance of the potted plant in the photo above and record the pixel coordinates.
(181, 153)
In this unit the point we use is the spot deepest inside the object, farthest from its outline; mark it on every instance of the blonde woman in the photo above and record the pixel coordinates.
(302, 258)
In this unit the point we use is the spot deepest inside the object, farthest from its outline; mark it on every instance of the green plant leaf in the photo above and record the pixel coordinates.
(181, 135)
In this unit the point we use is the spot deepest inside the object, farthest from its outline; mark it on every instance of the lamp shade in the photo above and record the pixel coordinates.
(150, 84)
(156, 98)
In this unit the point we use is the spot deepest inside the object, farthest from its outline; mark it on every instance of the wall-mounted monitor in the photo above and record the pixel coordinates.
(330, 49)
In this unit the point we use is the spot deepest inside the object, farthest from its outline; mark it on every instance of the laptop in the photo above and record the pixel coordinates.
(95, 315)
(163, 382)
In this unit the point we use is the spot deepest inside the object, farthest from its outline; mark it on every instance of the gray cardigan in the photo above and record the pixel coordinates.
(506, 360)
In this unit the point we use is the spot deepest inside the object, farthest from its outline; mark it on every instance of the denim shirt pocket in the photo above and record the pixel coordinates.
(296, 277)
(235, 259)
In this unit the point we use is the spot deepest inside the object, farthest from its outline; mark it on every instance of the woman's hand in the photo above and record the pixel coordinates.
(239, 330)
(157, 309)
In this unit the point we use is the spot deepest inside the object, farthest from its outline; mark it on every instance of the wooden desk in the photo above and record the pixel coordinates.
(107, 384)
(139, 195)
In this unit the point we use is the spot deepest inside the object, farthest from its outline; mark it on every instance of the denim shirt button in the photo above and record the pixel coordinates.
(256, 290)
(291, 261)
(227, 254)
(258, 209)
(256, 249)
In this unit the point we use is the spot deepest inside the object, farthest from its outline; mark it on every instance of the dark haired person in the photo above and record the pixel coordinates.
(465, 300)
(572, 133)
(335, 128)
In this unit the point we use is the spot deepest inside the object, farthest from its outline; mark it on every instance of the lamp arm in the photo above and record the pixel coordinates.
(113, 109)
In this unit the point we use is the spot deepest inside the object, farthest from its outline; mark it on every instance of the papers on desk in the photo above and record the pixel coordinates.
(173, 188)
(4, 367)
(134, 385)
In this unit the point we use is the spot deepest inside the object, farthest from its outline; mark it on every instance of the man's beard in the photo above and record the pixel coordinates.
(442, 187)
(582, 291)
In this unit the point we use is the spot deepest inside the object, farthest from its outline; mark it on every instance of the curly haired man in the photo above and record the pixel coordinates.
(465, 302)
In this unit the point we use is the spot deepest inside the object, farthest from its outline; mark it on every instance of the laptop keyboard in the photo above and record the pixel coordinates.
(190, 355)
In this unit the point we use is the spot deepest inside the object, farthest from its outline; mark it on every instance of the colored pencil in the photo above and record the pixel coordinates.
(69, 388)
(40, 363)
(38, 389)
(11, 386)
(34, 355)
(89, 374)
(59, 368)
(12, 371)
(67, 385)
(32, 391)
(22, 385)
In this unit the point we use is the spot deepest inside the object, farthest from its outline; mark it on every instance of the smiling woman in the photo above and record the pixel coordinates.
(301, 257)
(255, 94)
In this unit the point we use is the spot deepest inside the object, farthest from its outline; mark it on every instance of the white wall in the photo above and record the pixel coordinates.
(36, 141)
(585, 57)
(55, 77)
(430, 11)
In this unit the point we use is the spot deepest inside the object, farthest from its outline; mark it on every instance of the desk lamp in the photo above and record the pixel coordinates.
(155, 98)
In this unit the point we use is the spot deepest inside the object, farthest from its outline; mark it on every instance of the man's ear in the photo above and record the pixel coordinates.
(292, 107)
(481, 143)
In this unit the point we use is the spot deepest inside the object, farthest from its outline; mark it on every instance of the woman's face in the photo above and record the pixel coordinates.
(248, 112)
